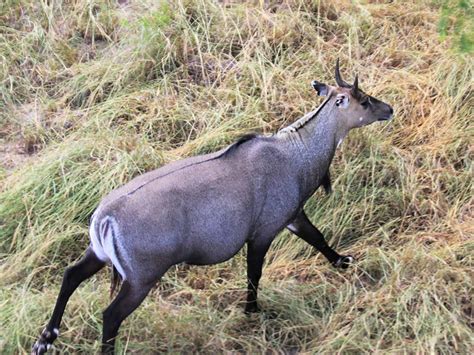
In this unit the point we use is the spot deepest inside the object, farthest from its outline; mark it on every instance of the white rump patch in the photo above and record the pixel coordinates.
(103, 243)
(96, 244)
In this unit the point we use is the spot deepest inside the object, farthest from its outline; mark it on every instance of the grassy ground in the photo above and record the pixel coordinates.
(94, 93)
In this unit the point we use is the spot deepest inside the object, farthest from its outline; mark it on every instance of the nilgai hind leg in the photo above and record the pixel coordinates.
(128, 299)
(74, 275)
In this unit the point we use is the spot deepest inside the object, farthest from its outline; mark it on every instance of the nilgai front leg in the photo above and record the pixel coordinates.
(256, 250)
(303, 228)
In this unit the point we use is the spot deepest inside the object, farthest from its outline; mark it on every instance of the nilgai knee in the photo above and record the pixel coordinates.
(202, 210)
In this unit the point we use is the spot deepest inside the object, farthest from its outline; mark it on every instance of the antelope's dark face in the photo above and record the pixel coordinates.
(354, 106)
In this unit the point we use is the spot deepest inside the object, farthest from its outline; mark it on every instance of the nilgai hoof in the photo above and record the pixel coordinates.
(252, 308)
(344, 261)
(44, 342)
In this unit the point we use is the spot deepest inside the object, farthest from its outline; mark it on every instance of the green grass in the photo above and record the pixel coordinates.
(97, 93)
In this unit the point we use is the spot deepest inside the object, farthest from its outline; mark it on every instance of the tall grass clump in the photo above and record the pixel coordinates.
(96, 92)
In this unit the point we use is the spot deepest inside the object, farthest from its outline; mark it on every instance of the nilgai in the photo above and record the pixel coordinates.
(202, 210)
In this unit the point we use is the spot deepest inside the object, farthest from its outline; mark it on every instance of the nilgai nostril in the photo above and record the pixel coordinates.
(204, 209)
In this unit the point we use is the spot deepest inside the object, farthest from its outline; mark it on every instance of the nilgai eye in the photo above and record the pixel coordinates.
(365, 103)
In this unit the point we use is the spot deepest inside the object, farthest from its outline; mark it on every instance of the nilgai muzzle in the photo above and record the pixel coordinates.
(202, 210)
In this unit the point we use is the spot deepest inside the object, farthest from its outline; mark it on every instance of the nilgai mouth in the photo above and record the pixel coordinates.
(388, 116)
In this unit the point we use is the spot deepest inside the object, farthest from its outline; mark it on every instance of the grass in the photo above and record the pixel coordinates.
(94, 93)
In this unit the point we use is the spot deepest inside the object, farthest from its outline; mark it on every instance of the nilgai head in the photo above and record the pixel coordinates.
(352, 105)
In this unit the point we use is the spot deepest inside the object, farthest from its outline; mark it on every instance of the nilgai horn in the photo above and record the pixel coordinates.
(202, 210)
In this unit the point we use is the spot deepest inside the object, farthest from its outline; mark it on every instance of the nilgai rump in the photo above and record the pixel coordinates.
(202, 210)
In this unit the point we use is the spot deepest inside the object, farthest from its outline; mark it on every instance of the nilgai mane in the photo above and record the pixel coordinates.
(202, 210)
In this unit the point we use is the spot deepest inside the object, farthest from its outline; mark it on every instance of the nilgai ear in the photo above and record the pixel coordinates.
(342, 101)
(322, 89)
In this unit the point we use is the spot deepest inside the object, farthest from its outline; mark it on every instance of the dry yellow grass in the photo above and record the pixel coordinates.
(96, 92)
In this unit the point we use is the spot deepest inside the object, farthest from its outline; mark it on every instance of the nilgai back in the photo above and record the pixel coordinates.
(202, 210)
